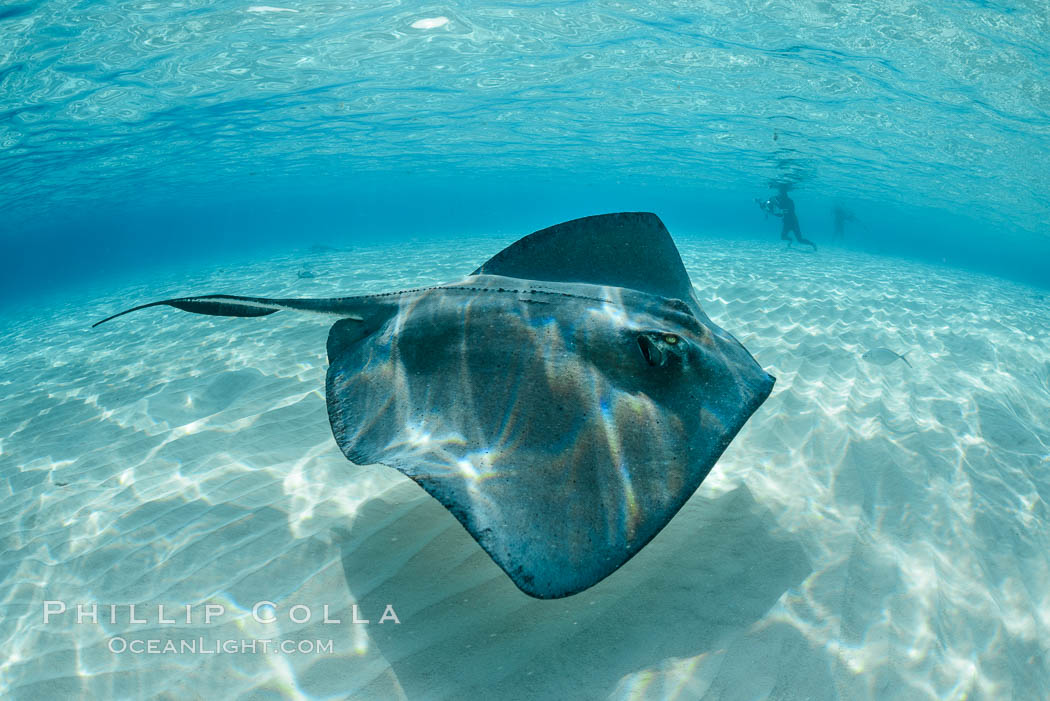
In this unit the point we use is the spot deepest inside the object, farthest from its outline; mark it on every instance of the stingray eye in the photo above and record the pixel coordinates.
(660, 349)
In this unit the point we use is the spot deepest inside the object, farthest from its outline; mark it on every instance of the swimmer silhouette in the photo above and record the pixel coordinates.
(780, 205)
(841, 215)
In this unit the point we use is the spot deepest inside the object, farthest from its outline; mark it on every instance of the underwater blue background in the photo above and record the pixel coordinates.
(140, 134)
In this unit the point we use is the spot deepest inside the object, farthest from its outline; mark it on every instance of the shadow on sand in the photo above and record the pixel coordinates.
(467, 631)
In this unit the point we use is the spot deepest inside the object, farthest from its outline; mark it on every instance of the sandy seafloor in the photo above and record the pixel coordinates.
(874, 532)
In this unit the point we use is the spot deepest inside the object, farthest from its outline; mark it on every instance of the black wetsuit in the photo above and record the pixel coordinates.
(787, 212)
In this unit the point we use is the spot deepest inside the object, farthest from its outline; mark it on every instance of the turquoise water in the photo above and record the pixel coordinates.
(878, 529)
(132, 132)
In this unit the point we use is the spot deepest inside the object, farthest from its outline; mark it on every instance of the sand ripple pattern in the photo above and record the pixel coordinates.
(874, 531)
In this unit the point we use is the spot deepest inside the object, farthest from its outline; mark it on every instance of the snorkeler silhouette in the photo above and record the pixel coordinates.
(842, 215)
(780, 205)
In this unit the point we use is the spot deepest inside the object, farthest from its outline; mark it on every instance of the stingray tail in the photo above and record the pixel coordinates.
(232, 305)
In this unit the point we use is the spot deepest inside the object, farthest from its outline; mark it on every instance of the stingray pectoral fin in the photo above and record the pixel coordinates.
(233, 305)
(348, 332)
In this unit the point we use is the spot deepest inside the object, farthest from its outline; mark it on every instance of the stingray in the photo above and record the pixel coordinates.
(563, 401)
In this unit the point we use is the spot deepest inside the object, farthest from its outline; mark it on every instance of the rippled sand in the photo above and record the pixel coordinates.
(873, 532)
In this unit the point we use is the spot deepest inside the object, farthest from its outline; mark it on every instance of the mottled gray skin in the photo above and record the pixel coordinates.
(556, 422)
(562, 422)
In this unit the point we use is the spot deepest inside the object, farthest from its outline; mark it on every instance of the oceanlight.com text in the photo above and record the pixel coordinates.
(200, 646)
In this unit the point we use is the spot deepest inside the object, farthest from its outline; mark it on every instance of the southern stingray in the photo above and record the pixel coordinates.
(563, 401)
